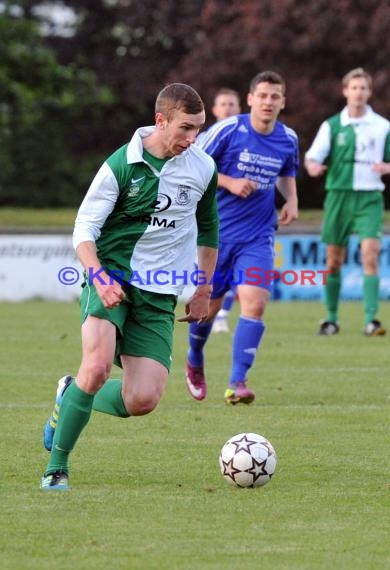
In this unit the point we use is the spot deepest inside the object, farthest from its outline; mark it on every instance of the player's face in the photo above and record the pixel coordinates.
(357, 92)
(180, 131)
(266, 102)
(225, 105)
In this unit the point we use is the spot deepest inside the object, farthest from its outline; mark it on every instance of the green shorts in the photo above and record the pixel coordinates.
(144, 322)
(347, 213)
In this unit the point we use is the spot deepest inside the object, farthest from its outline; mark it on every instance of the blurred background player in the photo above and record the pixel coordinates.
(253, 152)
(226, 104)
(353, 148)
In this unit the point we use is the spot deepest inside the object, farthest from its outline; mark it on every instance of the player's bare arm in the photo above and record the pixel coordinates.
(110, 291)
(241, 187)
(314, 168)
(381, 168)
(197, 307)
(288, 189)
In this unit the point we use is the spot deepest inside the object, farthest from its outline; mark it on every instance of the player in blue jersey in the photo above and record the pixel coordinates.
(254, 152)
(226, 104)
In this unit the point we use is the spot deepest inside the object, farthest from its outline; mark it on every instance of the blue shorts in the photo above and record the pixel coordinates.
(244, 264)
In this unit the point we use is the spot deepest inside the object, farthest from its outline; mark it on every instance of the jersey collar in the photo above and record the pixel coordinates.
(345, 119)
(135, 148)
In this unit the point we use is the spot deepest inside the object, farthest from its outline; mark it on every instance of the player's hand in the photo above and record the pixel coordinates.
(110, 293)
(314, 168)
(242, 187)
(288, 213)
(197, 307)
(381, 168)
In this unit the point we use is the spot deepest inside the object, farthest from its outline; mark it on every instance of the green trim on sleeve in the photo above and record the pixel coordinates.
(207, 215)
(386, 157)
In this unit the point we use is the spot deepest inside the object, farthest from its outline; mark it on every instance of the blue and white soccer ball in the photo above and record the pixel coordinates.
(247, 460)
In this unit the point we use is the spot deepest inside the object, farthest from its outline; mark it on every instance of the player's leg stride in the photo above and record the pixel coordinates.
(196, 381)
(51, 424)
(239, 393)
(246, 341)
(195, 378)
(57, 481)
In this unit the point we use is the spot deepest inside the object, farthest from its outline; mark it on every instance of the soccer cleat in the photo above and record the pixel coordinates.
(57, 481)
(196, 381)
(238, 393)
(51, 424)
(328, 328)
(374, 328)
(220, 325)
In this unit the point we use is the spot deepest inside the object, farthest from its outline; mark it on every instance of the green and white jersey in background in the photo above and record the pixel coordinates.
(350, 146)
(147, 218)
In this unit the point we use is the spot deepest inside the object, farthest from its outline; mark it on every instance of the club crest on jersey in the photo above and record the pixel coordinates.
(341, 139)
(133, 190)
(183, 195)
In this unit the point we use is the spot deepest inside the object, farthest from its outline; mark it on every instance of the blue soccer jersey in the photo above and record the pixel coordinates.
(241, 152)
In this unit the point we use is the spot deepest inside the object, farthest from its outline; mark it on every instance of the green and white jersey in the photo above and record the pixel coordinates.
(350, 146)
(147, 221)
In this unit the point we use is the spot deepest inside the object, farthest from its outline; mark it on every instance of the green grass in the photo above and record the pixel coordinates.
(147, 492)
(63, 218)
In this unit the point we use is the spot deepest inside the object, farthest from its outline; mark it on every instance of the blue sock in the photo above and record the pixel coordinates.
(228, 300)
(198, 338)
(246, 341)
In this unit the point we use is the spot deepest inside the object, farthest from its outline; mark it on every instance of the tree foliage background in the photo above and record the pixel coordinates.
(73, 90)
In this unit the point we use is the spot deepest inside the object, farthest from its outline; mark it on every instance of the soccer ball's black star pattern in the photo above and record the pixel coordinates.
(243, 443)
(229, 470)
(258, 469)
(269, 448)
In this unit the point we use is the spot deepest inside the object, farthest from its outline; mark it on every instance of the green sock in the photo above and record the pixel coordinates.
(370, 297)
(108, 399)
(332, 293)
(76, 408)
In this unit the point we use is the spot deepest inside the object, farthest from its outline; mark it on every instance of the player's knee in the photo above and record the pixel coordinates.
(370, 263)
(141, 404)
(93, 375)
(334, 265)
(255, 309)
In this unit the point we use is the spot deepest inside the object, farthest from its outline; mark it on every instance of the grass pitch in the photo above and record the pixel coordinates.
(147, 492)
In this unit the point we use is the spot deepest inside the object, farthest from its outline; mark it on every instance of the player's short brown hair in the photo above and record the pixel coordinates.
(178, 97)
(227, 91)
(267, 77)
(357, 72)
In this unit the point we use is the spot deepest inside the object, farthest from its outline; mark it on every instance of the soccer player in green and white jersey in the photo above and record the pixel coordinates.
(353, 149)
(150, 206)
